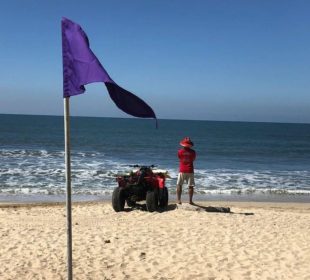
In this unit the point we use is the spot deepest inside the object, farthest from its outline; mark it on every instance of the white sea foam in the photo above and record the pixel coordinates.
(42, 172)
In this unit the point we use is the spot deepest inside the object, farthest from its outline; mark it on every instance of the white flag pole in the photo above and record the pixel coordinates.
(68, 185)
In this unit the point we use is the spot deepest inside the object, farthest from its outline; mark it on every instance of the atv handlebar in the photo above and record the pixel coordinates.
(142, 166)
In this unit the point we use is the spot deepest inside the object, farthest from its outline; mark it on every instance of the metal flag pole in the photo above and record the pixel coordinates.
(68, 185)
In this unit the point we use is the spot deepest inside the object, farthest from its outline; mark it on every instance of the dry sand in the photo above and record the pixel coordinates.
(274, 243)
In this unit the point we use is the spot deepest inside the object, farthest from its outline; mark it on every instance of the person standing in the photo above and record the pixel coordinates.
(186, 157)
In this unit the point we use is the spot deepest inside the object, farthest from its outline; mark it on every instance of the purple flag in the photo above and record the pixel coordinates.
(81, 67)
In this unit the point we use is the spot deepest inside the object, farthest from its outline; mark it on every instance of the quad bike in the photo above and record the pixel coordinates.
(142, 183)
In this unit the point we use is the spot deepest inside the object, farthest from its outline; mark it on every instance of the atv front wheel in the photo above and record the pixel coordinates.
(118, 200)
(152, 200)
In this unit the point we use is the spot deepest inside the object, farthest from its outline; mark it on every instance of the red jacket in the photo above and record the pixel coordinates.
(187, 157)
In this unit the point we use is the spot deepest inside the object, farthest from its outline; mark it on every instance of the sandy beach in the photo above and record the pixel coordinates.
(256, 241)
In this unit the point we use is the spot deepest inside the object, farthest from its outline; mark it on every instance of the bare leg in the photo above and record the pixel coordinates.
(191, 193)
(179, 192)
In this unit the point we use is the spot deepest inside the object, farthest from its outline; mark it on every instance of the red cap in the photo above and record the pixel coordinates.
(186, 142)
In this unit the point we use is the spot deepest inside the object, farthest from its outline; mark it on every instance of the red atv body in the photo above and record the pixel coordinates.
(145, 183)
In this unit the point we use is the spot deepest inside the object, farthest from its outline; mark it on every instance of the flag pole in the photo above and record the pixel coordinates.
(68, 185)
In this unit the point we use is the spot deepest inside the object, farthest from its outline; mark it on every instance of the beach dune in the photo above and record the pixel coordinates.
(256, 241)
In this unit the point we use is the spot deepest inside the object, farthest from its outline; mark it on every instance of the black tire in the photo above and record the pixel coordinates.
(152, 201)
(118, 200)
(164, 197)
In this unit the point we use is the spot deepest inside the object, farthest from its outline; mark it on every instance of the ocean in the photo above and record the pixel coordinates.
(235, 160)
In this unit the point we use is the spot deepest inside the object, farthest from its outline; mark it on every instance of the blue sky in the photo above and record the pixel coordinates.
(209, 60)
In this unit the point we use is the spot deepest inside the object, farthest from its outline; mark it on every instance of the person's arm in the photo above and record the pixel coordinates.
(194, 156)
(179, 154)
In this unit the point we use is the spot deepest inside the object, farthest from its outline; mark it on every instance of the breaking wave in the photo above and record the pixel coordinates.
(41, 172)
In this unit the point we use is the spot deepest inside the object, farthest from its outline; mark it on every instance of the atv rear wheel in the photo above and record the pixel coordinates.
(118, 200)
(152, 200)
(163, 197)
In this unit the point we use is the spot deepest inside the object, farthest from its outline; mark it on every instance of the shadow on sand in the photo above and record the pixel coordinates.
(142, 207)
(220, 210)
(174, 206)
